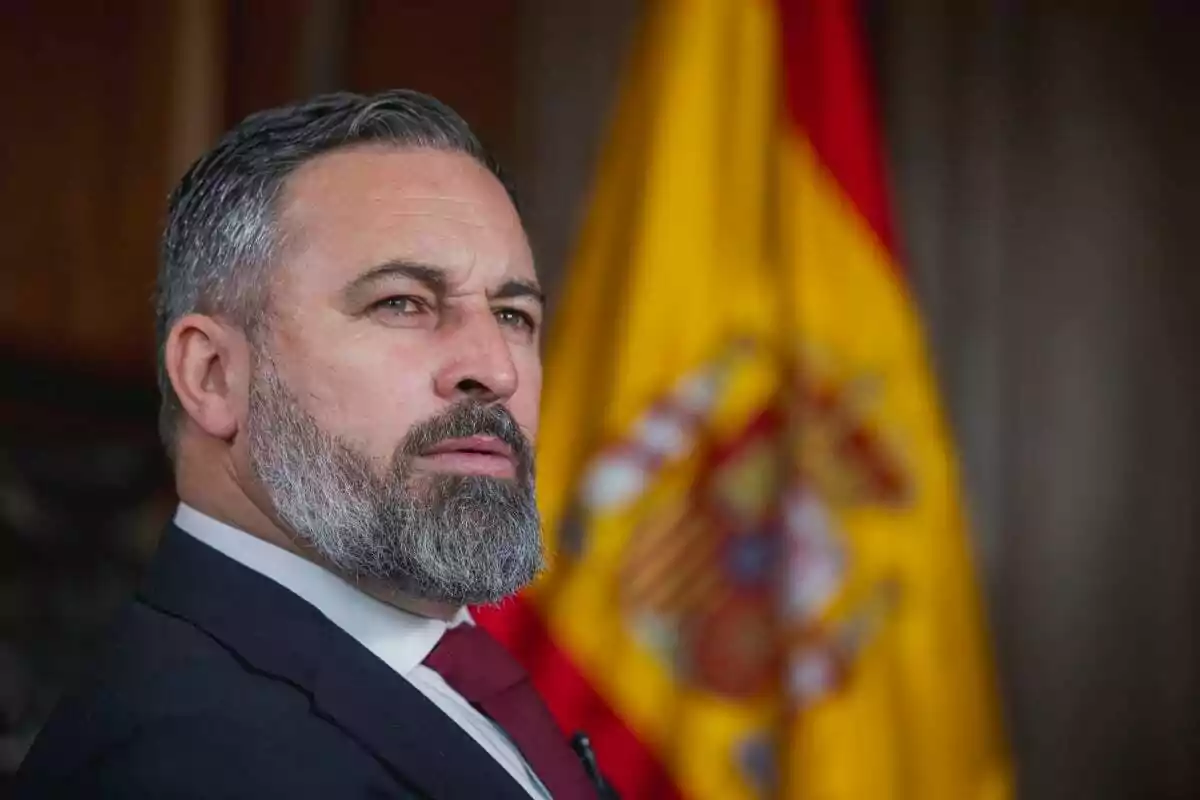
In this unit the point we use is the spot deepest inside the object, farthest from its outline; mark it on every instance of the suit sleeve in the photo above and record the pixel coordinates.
(213, 757)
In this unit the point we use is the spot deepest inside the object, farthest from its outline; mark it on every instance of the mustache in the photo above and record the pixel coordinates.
(471, 418)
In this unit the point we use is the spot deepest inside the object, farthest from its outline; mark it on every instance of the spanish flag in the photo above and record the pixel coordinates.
(761, 580)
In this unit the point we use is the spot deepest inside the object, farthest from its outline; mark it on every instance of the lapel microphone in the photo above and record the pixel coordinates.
(583, 748)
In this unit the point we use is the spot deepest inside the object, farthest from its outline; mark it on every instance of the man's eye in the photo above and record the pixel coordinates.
(405, 305)
(514, 318)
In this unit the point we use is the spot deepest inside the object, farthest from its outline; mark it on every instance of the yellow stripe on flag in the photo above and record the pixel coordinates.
(919, 720)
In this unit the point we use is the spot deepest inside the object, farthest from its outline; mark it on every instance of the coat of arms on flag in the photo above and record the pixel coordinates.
(728, 578)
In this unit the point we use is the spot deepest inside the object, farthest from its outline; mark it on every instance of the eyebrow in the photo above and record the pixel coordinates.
(514, 288)
(433, 278)
(436, 280)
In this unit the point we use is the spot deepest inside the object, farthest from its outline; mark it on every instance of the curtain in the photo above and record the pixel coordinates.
(1042, 162)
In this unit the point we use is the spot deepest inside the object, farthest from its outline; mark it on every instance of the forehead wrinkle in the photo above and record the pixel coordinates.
(474, 219)
(474, 223)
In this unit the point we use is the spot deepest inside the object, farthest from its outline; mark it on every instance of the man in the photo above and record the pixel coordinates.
(348, 329)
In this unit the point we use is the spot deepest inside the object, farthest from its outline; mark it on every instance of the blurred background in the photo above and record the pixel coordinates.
(1042, 164)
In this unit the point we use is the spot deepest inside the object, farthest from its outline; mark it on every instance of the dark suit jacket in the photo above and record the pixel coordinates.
(222, 684)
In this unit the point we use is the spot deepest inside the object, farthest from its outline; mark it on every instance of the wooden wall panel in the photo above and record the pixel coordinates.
(86, 93)
(464, 52)
(264, 55)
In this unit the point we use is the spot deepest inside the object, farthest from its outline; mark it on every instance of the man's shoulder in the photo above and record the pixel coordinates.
(157, 663)
(169, 707)
(156, 666)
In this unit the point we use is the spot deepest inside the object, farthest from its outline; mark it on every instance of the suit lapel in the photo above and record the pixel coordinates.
(412, 735)
(280, 634)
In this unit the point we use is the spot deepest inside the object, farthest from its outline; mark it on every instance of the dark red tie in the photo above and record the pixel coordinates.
(481, 670)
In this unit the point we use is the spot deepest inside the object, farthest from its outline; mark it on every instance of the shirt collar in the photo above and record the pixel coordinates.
(400, 639)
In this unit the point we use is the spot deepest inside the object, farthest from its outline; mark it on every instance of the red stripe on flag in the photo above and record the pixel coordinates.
(631, 767)
(829, 97)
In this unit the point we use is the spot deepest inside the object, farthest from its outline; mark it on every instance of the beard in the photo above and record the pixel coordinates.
(449, 538)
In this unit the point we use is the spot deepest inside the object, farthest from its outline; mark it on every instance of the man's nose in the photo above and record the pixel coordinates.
(478, 363)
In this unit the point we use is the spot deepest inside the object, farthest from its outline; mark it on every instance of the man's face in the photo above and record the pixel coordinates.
(398, 375)
(406, 285)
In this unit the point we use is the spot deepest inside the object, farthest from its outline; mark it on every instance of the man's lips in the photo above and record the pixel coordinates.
(476, 455)
(483, 445)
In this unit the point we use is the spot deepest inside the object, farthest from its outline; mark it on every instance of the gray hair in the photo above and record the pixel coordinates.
(221, 238)
(457, 539)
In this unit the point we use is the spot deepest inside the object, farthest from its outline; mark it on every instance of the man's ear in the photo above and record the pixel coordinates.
(208, 363)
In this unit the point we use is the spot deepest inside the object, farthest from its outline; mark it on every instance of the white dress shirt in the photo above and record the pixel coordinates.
(399, 639)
